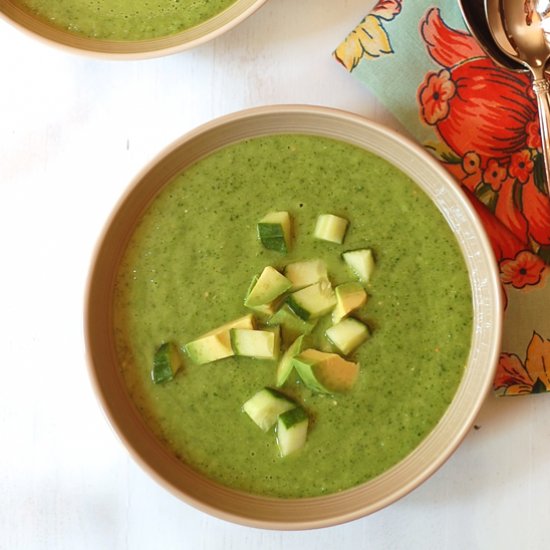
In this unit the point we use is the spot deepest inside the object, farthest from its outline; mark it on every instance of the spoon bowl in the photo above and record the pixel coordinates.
(473, 13)
(519, 28)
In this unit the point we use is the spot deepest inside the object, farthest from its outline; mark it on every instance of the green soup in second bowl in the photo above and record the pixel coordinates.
(126, 19)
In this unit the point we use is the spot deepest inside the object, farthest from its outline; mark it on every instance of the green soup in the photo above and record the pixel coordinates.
(189, 265)
(126, 19)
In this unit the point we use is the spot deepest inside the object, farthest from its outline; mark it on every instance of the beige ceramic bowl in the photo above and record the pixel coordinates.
(429, 455)
(38, 27)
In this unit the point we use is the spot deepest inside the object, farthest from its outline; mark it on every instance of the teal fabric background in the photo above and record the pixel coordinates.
(395, 78)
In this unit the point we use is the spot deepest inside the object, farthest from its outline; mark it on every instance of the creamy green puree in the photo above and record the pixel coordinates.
(188, 267)
(126, 19)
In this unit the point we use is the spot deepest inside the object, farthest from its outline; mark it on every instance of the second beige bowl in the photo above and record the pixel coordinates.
(39, 28)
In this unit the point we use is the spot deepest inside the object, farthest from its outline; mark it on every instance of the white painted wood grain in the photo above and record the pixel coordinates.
(73, 133)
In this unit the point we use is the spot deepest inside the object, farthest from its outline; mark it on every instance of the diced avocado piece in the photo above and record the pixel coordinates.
(331, 228)
(306, 273)
(261, 344)
(348, 334)
(313, 301)
(276, 330)
(275, 231)
(265, 406)
(291, 325)
(284, 368)
(208, 349)
(292, 430)
(166, 362)
(267, 310)
(267, 287)
(349, 297)
(216, 344)
(361, 263)
(325, 372)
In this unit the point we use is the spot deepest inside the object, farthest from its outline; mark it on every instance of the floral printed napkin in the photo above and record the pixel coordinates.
(481, 122)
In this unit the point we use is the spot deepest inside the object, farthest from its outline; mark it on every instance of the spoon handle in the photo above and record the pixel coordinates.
(541, 87)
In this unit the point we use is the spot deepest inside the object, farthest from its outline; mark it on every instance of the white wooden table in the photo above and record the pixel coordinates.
(73, 133)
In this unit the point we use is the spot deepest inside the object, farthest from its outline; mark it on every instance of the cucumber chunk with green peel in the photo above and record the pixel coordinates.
(348, 334)
(292, 428)
(306, 273)
(313, 301)
(266, 288)
(361, 263)
(349, 297)
(324, 372)
(261, 344)
(291, 325)
(284, 368)
(275, 231)
(216, 344)
(331, 228)
(265, 406)
(166, 362)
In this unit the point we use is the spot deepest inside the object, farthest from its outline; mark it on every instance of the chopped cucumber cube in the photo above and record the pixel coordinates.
(265, 406)
(292, 430)
(306, 273)
(361, 263)
(349, 297)
(285, 364)
(324, 372)
(266, 288)
(275, 231)
(166, 362)
(331, 228)
(347, 335)
(261, 344)
(291, 325)
(313, 301)
(216, 344)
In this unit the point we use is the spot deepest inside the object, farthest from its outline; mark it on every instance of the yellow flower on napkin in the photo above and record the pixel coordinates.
(368, 39)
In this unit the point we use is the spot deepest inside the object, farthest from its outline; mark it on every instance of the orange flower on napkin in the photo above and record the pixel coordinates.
(515, 377)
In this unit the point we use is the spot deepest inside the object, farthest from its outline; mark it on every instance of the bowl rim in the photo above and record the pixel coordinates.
(489, 324)
(48, 34)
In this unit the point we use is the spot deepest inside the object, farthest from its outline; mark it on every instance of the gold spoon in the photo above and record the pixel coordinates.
(473, 13)
(519, 27)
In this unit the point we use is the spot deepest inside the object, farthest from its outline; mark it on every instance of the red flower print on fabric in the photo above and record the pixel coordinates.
(434, 96)
(533, 135)
(486, 125)
(387, 9)
(521, 165)
(471, 163)
(525, 269)
(494, 175)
